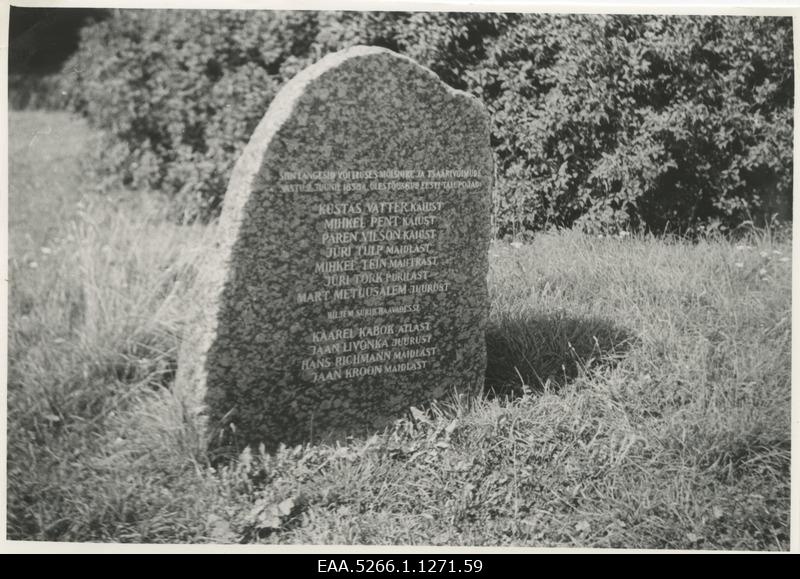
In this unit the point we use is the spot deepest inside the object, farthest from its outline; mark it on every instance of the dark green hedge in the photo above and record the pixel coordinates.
(605, 122)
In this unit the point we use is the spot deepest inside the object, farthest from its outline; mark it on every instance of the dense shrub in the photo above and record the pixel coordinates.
(613, 122)
(607, 122)
(180, 91)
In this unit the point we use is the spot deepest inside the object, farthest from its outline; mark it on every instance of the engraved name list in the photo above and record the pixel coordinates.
(378, 255)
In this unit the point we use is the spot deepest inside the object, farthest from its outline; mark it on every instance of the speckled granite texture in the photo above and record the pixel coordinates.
(349, 278)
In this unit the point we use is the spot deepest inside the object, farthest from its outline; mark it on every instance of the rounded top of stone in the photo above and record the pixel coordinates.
(358, 51)
(335, 59)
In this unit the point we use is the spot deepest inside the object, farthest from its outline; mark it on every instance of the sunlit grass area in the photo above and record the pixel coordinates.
(638, 392)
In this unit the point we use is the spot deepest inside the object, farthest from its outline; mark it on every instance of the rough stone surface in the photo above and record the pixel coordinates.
(348, 281)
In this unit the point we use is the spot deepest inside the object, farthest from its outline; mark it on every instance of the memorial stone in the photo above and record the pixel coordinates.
(348, 282)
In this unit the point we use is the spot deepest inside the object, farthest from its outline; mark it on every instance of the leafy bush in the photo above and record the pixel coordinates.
(607, 122)
(629, 121)
(181, 91)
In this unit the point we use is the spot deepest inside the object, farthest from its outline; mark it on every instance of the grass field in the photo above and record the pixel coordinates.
(638, 393)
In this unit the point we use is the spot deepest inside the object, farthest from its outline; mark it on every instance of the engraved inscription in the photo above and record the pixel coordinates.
(379, 249)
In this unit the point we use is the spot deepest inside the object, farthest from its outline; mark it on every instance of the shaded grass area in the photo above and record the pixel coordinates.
(530, 351)
(637, 394)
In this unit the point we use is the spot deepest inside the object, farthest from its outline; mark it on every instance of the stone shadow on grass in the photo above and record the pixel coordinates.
(538, 349)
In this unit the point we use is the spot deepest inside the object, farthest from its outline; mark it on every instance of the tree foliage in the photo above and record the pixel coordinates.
(607, 122)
